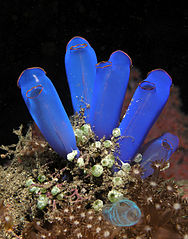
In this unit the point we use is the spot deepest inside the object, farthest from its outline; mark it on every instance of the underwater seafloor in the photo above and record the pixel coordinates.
(30, 170)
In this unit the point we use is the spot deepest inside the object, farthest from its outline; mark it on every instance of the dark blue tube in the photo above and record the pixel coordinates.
(109, 92)
(47, 110)
(147, 103)
(80, 61)
(159, 149)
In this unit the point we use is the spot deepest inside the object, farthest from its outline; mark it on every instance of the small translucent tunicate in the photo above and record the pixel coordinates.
(138, 158)
(107, 143)
(41, 178)
(114, 195)
(108, 161)
(116, 132)
(158, 149)
(123, 213)
(55, 190)
(117, 181)
(97, 170)
(80, 162)
(97, 205)
(72, 155)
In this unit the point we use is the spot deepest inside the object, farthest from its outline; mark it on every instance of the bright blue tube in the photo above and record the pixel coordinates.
(47, 110)
(159, 149)
(80, 61)
(147, 103)
(109, 92)
(123, 213)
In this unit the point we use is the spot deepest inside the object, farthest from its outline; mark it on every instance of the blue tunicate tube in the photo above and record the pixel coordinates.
(147, 103)
(80, 61)
(110, 87)
(159, 149)
(47, 110)
(123, 213)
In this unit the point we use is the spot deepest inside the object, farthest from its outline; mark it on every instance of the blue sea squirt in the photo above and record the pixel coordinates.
(160, 148)
(47, 110)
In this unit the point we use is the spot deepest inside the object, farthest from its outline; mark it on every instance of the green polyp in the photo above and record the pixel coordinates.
(107, 143)
(98, 144)
(43, 190)
(42, 197)
(42, 201)
(121, 173)
(104, 162)
(41, 178)
(86, 129)
(114, 195)
(116, 132)
(108, 161)
(117, 181)
(34, 189)
(98, 205)
(111, 159)
(55, 190)
(29, 182)
(60, 196)
(84, 139)
(97, 170)
(78, 134)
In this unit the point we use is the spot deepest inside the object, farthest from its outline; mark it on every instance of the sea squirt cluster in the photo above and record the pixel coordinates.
(100, 89)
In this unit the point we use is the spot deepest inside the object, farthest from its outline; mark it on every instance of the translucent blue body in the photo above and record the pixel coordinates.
(147, 103)
(47, 110)
(109, 92)
(123, 213)
(159, 149)
(80, 61)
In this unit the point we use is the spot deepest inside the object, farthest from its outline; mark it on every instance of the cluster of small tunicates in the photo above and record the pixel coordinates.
(118, 208)
(102, 152)
(94, 148)
(44, 190)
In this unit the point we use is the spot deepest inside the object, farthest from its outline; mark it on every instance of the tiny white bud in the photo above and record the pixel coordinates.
(98, 144)
(80, 162)
(72, 155)
(97, 205)
(126, 167)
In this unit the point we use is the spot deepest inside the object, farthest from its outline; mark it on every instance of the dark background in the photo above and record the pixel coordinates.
(35, 33)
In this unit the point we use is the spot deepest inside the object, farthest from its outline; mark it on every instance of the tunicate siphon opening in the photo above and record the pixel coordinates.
(104, 64)
(166, 145)
(146, 85)
(78, 46)
(34, 92)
